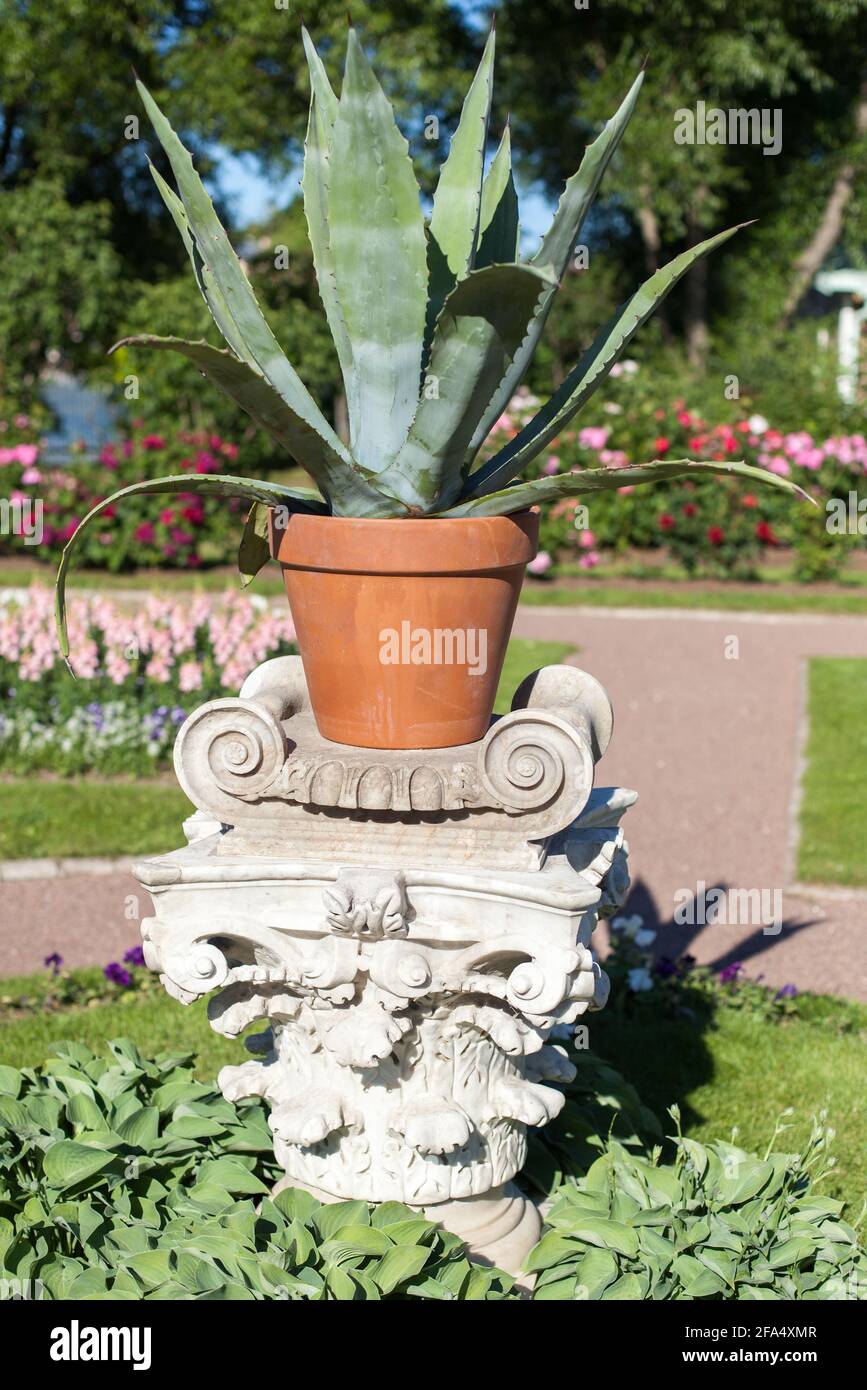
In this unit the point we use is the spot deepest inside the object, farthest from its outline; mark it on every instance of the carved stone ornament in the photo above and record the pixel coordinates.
(409, 927)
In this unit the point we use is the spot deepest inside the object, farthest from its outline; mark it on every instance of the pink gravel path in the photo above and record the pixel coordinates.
(712, 746)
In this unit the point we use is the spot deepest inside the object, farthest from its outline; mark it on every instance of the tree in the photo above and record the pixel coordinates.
(805, 60)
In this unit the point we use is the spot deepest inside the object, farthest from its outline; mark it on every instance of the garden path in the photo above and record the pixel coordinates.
(712, 744)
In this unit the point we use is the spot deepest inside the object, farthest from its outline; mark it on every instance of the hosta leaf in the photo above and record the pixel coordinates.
(579, 483)
(482, 323)
(557, 248)
(596, 1271)
(226, 485)
(10, 1081)
(792, 1252)
(454, 222)
(590, 372)
(248, 333)
(67, 1163)
(400, 1263)
(254, 550)
(141, 1129)
(329, 1219)
(628, 1288)
(380, 263)
(249, 389)
(498, 221)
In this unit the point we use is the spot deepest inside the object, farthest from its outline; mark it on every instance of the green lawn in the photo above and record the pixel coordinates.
(742, 1071)
(46, 820)
(602, 588)
(833, 840)
(763, 599)
(54, 819)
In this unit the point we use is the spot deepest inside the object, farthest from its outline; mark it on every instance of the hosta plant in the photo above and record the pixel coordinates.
(435, 320)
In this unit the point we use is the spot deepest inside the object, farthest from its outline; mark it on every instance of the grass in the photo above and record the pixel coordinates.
(834, 804)
(601, 589)
(46, 819)
(764, 599)
(741, 1072)
(745, 1072)
(522, 657)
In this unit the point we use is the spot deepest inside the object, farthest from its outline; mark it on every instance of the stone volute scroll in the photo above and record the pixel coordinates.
(258, 763)
(412, 930)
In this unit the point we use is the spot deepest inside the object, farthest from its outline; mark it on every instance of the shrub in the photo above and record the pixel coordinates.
(718, 1223)
(124, 1178)
(184, 531)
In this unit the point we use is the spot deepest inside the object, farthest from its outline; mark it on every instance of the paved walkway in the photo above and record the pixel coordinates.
(712, 746)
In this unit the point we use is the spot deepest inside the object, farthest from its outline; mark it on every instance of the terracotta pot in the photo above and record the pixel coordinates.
(403, 625)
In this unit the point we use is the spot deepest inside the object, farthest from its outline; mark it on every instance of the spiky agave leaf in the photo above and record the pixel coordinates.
(314, 186)
(254, 550)
(455, 216)
(499, 229)
(557, 249)
(254, 394)
(591, 370)
(224, 485)
(481, 325)
(378, 254)
(580, 482)
(233, 305)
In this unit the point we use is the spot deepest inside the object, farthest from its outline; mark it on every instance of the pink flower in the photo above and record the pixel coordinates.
(552, 465)
(541, 564)
(778, 464)
(587, 540)
(31, 475)
(153, 441)
(145, 533)
(593, 436)
(190, 676)
(590, 560)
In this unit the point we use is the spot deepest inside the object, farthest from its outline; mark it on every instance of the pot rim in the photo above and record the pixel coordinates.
(387, 545)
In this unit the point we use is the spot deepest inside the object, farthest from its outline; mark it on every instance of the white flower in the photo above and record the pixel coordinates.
(639, 979)
(612, 408)
(758, 424)
(629, 926)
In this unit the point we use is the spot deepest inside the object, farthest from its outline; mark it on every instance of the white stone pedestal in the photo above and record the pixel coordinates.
(410, 926)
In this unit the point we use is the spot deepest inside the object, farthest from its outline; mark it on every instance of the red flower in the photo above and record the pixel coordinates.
(748, 500)
(145, 533)
(153, 441)
(765, 533)
(167, 517)
(666, 521)
(195, 514)
(697, 442)
(662, 445)
(715, 535)
(689, 509)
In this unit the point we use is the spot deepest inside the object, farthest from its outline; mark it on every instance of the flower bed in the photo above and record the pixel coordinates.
(143, 668)
(184, 531)
(717, 527)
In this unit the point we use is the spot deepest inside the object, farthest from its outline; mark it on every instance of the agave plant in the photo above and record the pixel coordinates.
(435, 321)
